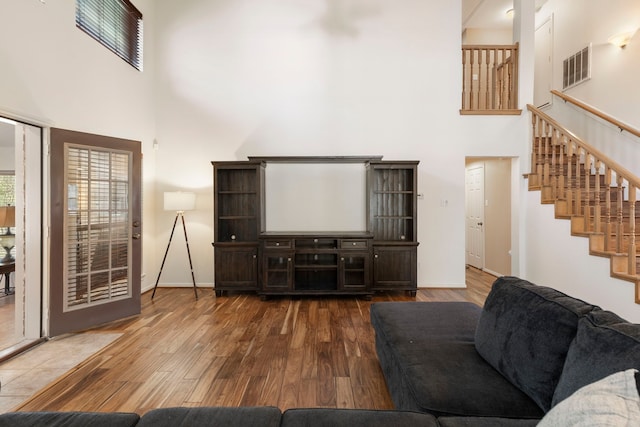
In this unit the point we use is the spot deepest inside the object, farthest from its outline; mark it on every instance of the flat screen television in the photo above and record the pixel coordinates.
(310, 197)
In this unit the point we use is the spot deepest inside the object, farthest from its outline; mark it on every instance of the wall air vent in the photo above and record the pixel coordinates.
(576, 68)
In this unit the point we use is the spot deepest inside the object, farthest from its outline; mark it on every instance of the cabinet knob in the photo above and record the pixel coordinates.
(277, 243)
(342, 259)
(289, 259)
(375, 256)
(354, 243)
(254, 257)
(233, 237)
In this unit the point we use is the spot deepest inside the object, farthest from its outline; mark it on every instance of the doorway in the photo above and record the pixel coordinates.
(21, 228)
(488, 214)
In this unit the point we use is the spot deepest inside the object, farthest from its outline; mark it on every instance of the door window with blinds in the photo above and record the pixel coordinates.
(97, 223)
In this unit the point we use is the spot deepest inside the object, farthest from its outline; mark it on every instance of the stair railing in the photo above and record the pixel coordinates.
(598, 194)
(490, 79)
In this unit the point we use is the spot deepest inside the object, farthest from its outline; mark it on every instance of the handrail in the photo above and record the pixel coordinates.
(612, 164)
(620, 125)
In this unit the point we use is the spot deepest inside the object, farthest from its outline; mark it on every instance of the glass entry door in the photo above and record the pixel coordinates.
(95, 230)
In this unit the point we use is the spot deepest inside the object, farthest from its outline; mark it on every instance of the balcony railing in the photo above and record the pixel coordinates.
(490, 79)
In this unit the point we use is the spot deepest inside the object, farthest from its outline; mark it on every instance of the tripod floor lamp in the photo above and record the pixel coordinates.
(178, 201)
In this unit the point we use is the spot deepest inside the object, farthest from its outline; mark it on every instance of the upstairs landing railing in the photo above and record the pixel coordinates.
(596, 193)
(490, 79)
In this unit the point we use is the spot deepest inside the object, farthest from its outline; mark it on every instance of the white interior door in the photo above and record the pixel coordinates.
(28, 232)
(543, 71)
(475, 216)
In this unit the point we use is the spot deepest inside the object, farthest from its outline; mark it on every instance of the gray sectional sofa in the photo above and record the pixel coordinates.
(527, 350)
(531, 356)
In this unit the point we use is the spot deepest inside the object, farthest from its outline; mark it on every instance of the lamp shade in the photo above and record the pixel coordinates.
(7, 216)
(622, 39)
(179, 201)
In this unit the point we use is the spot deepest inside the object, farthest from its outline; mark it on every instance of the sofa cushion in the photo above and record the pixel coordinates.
(485, 422)
(68, 419)
(604, 344)
(430, 363)
(264, 416)
(327, 417)
(611, 401)
(525, 331)
(418, 322)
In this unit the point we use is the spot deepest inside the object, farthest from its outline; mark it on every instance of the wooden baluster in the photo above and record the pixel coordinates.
(632, 230)
(607, 208)
(585, 200)
(510, 87)
(577, 193)
(516, 65)
(503, 76)
(561, 173)
(597, 208)
(545, 170)
(487, 83)
(464, 77)
(554, 164)
(540, 151)
(471, 101)
(498, 78)
(619, 217)
(570, 154)
(494, 83)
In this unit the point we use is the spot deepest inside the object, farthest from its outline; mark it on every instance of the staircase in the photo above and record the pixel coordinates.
(596, 194)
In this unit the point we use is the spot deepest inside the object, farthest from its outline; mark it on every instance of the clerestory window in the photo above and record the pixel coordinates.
(116, 24)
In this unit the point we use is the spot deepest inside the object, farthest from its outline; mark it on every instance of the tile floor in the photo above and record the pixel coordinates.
(22, 376)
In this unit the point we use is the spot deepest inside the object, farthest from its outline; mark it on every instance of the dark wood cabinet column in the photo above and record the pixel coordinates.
(238, 208)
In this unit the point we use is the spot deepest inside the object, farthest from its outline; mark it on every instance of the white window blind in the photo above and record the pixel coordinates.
(116, 24)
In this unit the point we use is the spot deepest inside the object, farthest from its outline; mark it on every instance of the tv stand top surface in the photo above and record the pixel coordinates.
(319, 234)
(315, 159)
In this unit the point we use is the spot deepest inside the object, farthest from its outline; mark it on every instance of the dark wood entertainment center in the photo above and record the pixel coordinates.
(249, 258)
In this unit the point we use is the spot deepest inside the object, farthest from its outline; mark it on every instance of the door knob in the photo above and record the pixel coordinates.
(136, 236)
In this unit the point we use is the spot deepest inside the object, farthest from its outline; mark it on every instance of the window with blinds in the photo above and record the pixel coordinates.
(97, 224)
(116, 24)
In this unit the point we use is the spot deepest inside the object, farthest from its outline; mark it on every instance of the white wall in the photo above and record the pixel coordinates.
(613, 87)
(565, 264)
(56, 75)
(320, 78)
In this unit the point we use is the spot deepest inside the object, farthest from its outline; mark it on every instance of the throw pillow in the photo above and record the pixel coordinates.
(605, 343)
(612, 401)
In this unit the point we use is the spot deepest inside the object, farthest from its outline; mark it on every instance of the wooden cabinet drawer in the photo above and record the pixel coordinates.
(354, 244)
(277, 243)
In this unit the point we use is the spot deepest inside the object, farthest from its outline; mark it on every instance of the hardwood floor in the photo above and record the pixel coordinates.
(239, 351)
(7, 320)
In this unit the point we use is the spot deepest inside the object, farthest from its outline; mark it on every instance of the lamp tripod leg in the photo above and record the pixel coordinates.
(186, 240)
(165, 255)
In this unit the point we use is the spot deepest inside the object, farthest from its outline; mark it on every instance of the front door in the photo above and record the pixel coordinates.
(95, 230)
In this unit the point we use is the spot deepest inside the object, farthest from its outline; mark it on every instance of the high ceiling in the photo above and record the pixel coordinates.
(489, 13)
